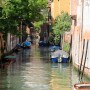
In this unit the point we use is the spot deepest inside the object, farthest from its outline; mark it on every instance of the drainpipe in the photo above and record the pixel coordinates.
(82, 19)
(82, 66)
(84, 59)
(82, 42)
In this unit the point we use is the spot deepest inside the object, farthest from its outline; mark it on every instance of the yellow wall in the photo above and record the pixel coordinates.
(57, 6)
(64, 5)
(54, 9)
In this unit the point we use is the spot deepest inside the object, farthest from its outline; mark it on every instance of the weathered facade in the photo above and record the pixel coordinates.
(44, 32)
(81, 36)
(74, 30)
(80, 29)
(55, 9)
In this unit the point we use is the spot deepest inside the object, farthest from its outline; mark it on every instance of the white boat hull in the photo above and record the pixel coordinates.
(82, 86)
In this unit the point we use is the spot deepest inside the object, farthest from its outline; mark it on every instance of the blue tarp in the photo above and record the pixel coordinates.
(26, 43)
(18, 45)
(42, 43)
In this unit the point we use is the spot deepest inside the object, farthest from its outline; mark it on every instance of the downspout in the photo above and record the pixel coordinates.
(82, 19)
(82, 41)
(82, 72)
(80, 68)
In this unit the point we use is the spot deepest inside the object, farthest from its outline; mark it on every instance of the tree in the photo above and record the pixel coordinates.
(37, 25)
(62, 24)
(8, 25)
(26, 9)
(16, 10)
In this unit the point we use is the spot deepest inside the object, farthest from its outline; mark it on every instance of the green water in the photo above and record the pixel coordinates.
(33, 71)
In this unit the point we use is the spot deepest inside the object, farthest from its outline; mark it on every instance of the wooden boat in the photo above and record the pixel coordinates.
(10, 57)
(82, 86)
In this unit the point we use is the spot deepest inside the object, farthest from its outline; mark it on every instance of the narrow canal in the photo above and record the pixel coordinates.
(32, 70)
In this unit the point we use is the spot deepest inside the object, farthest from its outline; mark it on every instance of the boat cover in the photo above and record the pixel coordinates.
(53, 48)
(59, 53)
(10, 57)
(26, 43)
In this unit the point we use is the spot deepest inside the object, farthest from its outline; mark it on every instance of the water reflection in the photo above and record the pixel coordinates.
(60, 77)
(33, 71)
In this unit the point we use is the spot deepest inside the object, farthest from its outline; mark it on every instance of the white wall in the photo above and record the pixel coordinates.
(86, 15)
(11, 42)
(83, 21)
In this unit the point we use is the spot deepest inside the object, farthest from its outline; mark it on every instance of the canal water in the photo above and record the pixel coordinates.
(33, 70)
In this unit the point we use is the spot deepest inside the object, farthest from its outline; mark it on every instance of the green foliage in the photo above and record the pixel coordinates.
(0, 2)
(37, 6)
(26, 9)
(62, 24)
(8, 25)
(16, 10)
(37, 25)
(51, 40)
(66, 46)
(57, 39)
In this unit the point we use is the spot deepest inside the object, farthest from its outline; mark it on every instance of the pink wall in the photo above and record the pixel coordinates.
(74, 4)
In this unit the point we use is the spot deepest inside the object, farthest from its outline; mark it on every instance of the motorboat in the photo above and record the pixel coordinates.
(61, 55)
(42, 43)
(82, 86)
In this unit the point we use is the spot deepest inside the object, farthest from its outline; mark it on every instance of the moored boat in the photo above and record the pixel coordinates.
(26, 45)
(60, 55)
(82, 86)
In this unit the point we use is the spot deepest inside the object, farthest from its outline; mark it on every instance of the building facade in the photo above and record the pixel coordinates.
(57, 6)
(81, 37)
(80, 29)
